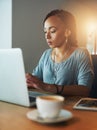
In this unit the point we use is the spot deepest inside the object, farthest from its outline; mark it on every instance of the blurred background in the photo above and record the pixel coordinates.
(21, 25)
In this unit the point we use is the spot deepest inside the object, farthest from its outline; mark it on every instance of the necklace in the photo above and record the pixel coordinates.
(63, 57)
(56, 66)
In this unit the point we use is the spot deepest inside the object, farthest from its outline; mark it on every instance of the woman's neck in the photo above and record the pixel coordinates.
(60, 54)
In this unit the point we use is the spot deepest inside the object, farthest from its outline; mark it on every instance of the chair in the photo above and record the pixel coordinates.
(93, 92)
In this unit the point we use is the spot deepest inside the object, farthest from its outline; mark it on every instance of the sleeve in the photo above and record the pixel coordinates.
(38, 71)
(85, 67)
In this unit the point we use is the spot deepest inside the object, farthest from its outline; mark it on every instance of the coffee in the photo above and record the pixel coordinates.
(50, 98)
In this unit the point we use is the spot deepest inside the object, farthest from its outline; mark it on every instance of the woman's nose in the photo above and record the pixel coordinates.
(48, 36)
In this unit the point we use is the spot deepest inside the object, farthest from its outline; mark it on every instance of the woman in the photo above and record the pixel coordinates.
(65, 68)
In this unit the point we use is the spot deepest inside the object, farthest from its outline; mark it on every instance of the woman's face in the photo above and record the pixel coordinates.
(54, 29)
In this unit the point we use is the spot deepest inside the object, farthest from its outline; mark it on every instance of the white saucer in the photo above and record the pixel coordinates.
(63, 116)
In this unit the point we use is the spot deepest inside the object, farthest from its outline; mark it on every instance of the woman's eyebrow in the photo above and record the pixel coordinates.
(50, 27)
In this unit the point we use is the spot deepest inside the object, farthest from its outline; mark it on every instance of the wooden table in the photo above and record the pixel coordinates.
(13, 117)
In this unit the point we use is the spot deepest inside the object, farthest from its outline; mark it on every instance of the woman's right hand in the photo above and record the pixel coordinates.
(34, 82)
(29, 79)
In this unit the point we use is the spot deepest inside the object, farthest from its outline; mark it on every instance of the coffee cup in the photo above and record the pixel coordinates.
(49, 106)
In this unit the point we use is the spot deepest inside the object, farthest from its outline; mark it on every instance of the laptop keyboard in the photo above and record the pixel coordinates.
(35, 94)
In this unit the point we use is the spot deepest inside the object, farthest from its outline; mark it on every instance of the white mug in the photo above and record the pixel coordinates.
(49, 106)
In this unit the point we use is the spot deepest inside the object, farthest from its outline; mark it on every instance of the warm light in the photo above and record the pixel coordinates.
(91, 37)
(91, 27)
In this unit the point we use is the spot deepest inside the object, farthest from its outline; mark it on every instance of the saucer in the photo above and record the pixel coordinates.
(63, 116)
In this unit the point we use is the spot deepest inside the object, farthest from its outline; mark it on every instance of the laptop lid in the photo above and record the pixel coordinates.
(13, 86)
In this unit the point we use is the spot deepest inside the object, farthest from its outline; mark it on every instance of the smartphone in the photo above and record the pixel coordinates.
(86, 104)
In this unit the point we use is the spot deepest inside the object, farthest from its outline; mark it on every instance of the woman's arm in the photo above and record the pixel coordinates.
(71, 90)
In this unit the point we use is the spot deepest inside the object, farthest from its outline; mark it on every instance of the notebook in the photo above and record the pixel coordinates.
(13, 87)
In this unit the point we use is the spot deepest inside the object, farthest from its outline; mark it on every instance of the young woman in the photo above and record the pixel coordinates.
(65, 68)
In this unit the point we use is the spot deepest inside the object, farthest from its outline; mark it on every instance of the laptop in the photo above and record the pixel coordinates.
(13, 87)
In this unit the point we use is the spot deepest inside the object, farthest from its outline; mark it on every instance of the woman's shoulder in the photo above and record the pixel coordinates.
(46, 53)
(48, 50)
(82, 51)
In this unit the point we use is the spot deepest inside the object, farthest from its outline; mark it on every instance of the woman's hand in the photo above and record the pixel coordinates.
(33, 81)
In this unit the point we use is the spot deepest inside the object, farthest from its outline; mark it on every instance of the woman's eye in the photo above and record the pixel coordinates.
(53, 31)
(50, 31)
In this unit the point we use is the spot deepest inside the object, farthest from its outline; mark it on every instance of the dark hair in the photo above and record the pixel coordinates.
(69, 21)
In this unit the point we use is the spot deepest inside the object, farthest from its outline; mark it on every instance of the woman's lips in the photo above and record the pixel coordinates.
(49, 43)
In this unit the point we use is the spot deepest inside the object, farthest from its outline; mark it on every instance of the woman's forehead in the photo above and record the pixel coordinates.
(53, 21)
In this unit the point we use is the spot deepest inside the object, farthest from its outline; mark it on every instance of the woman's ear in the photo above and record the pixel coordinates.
(67, 32)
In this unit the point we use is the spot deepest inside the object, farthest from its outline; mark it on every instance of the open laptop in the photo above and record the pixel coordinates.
(13, 87)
